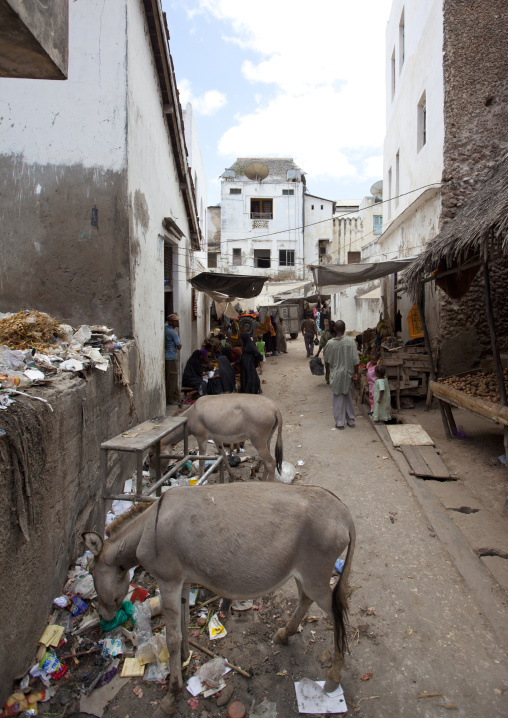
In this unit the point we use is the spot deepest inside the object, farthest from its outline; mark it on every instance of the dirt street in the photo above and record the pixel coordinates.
(414, 623)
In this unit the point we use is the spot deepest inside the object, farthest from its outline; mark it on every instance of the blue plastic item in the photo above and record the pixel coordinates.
(339, 565)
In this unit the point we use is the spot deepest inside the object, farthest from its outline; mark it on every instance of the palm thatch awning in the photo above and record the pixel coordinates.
(478, 232)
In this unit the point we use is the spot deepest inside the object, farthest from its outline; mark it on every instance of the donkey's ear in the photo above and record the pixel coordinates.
(93, 542)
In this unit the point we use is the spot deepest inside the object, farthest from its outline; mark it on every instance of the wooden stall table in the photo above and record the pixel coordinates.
(138, 440)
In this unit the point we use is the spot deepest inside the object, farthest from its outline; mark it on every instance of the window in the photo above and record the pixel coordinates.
(402, 41)
(235, 190)
(421, 122)
(393, 73)
(312, 206)
(237, 257)
(322, 206)
(377, 224)
(288, 192)
(397, 169)
(261, 209)
(323, 247)
(262, 258)
(286, 257)
(212, 260)
(354, 257)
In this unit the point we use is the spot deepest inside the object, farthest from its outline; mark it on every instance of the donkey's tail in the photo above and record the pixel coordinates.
(278, 445)
(340, 596)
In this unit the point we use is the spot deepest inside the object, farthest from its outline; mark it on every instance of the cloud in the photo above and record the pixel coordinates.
(317, 76)
(206, 104)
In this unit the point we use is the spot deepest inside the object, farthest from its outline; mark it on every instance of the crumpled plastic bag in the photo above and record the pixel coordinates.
(316, 366)
(125, 612)
(80, 583)
(211, 673)
(287, 474)
(81, 337)
(11, 358)
(265, 710)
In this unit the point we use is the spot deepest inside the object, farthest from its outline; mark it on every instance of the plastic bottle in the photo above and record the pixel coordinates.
(14, 381)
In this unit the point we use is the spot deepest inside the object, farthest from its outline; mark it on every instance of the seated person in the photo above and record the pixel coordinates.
(193, 375)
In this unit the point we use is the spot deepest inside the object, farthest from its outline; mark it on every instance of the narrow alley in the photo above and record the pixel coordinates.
(413, 624)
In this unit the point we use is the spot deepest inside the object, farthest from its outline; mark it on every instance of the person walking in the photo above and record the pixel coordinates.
(172, 346)
(250, 359)
(342, 356)
(280, 337)
(328, 334)
(309, 330)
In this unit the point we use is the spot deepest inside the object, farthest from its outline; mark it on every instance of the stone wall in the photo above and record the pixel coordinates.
(475, 64)
(59, 453)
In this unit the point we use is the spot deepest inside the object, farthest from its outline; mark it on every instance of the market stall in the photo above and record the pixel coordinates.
(475, 239)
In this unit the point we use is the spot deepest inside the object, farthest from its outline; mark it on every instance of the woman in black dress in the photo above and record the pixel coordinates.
(249, 379)
(193, 374)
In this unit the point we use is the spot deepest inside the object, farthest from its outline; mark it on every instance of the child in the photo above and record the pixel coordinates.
(371, 378)
(382, 403)
(260, 346)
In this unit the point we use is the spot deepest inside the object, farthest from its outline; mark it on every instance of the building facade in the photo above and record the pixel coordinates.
(98, 205)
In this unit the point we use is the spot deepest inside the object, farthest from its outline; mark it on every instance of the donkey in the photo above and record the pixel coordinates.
(211, 535)
(233, 418)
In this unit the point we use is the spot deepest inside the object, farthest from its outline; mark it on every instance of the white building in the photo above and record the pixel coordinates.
(414, 142)
(318, 234)
(262, 218)
(96, 166)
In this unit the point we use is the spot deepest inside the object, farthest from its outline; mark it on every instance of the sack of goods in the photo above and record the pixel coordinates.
(316, 366)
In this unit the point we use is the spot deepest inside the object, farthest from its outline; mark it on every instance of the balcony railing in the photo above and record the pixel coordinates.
(261, 215)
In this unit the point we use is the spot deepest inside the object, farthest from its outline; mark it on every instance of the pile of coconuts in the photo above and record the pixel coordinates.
(482, 385)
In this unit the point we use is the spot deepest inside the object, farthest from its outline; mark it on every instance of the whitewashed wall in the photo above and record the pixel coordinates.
(237, 227)
(81, 120)
(153, 194)
(318, 226)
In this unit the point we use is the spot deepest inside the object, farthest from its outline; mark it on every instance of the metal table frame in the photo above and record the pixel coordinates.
(138, 440)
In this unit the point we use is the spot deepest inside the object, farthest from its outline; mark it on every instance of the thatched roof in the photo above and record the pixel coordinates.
(479, 230)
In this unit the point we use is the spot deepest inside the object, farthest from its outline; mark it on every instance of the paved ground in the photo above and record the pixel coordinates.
(415, 624)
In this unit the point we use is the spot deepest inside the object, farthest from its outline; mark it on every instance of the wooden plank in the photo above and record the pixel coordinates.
(409, 434)
(493, 412)
(415, 461)
(434, 462)
(142, 436)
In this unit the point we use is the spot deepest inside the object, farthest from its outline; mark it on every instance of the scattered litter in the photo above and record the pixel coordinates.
(215, 628)
(312, 698)
(287, 473)
(502, 459)
(242, 605)
(132, 667)
(339, 565)
(367, 676)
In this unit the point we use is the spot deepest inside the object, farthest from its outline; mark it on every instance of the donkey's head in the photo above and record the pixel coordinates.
(111, 582)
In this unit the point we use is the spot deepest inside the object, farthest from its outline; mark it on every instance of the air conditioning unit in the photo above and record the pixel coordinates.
(229, 174)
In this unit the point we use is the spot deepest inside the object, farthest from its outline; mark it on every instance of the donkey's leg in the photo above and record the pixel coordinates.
(267, 459)
(304, 603)
(185, 621)
(322, 595)
(226, 462)
(171, 595)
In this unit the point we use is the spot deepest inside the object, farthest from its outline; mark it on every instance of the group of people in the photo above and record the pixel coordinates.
(341, 358)
(217, 367)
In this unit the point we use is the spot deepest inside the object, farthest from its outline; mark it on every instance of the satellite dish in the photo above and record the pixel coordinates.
(256, 171)
(377, 189)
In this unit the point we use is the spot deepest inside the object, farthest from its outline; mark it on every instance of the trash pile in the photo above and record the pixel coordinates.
(34, 347)
(79, 652)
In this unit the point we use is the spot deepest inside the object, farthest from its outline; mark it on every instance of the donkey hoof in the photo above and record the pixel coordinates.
(330, 685)
(165, 708)
(281, 637)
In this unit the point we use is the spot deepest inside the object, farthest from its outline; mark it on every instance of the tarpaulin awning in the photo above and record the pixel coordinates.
(232, 285)
(338, 275)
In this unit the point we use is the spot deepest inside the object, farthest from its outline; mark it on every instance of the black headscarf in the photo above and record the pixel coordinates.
(227, 374)
(193, 372)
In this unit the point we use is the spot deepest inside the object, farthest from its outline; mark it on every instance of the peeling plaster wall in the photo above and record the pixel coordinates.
(476, 138)
(154, 193)
(66, 500)
(62, 154)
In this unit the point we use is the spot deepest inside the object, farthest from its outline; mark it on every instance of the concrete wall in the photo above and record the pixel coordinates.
(197, 168)
(34, 39)
(63, 450)
(62, 154)
(318, 226)
(475, 65)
